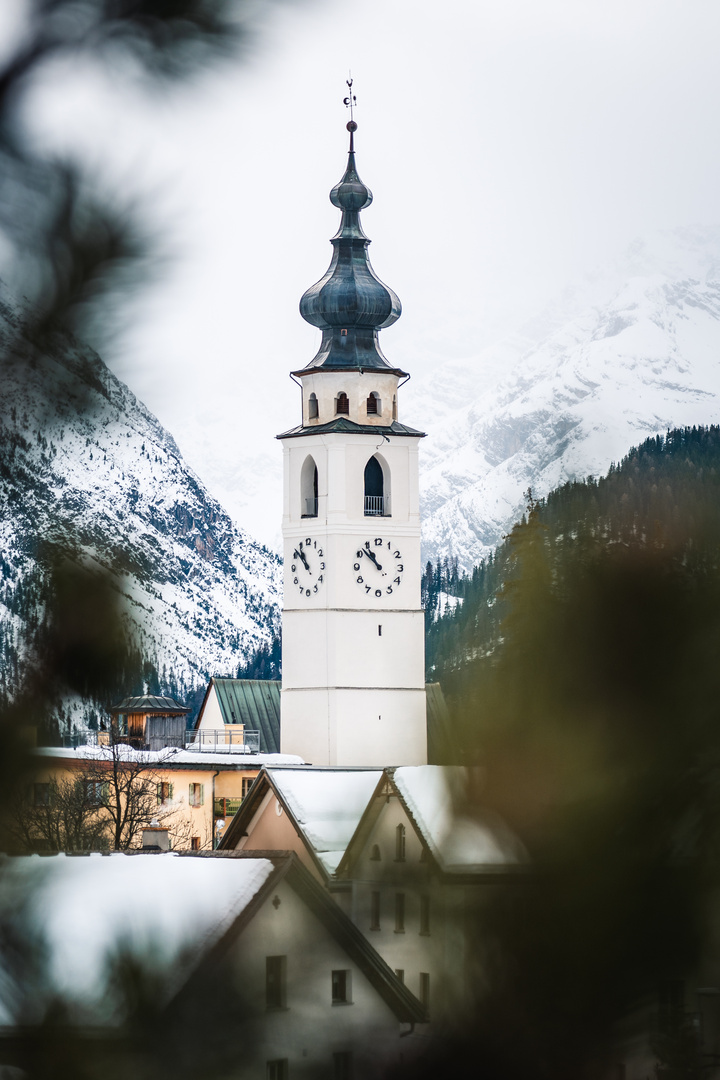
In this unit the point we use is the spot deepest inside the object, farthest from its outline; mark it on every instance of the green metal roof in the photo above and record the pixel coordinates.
(254, 703)
(438, 725)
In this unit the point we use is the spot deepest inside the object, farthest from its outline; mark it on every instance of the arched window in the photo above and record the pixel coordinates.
(312, 407)
(400, 844)
(342, 404)
(376, 497)
(309, 488)
(394, 407)
(373, 404)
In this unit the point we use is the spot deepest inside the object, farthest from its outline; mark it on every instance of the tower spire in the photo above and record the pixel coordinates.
(350, 304)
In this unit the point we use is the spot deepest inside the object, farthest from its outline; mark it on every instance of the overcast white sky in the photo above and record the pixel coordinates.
(510, 145)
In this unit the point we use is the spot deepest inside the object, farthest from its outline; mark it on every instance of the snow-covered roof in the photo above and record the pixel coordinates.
(432, 795)
(327, 804)
(155, 905)
(169, 755)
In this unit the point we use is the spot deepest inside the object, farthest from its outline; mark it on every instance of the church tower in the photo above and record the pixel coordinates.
(353, 685)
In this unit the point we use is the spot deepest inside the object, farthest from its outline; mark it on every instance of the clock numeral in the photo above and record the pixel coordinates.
(356, 566)
(397, 555)
(320, 578)
(396, 581)
(359, 579)
(400, 568)
(359, 555)
(322, 565)
(307, 592)
(315, 589)
(308, 542)
(367, 588)
(378, 541)
(389, 589)
(300, 544)
(293, 568)
(320, 553)
(388, 545)
(295, 581)
(378, 592)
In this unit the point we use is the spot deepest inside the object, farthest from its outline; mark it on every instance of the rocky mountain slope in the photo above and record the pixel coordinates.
(81, 457)
(632, 351)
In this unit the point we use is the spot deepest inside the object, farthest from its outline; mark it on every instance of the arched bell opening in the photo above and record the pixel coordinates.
(309, 488)
(377, 488)
(342, 404)
(374, 405)
(312, 407)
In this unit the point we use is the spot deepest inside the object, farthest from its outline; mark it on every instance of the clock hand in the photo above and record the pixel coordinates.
(371, 556)
(301, 555)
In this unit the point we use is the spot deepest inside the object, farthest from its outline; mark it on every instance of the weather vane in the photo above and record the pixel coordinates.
(350, 101)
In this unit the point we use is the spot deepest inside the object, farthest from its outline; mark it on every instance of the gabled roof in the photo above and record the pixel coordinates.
(252, 702)
(458, 844)
(150, 703)
(324, 804)
(287, 866)
(343, 424)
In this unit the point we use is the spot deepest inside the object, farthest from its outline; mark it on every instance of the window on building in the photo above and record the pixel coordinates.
(164, 792)
(342, 404)
(374, 910)
(95, 792)
(194, 843)
(400, 844)
(275, 981)
(196, 794)
(424, 914)
(340, 984)
(343, 1065)
(41, 794)
(425, 990)
(394, 414)
(277, 1069)
(373, 404)
(400, 913)
(247, 783)
(312, 407)
(374, 482)
(400, 973)
(375, 853)
(309, 488)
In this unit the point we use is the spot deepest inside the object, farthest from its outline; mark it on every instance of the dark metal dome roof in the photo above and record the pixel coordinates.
(149, 703)
(350, 303)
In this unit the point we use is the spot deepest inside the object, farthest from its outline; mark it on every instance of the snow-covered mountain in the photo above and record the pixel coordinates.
(80, 456)
(632, 351)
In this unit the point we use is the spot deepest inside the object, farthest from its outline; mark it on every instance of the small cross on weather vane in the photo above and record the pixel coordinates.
(350, 101)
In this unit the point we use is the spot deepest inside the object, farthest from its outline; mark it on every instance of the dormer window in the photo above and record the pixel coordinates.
(373, 404)
(343, 333)
(342, 404)
(312, 407)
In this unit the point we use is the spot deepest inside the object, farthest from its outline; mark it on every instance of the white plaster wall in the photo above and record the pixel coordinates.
(358, 386)
(211, 718)
(310, 1029)
(330, 647)
(336, 726)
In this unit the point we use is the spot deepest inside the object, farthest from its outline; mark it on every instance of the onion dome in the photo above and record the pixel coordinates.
(350, 303)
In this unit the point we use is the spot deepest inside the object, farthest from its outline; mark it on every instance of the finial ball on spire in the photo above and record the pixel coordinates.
(351, 125)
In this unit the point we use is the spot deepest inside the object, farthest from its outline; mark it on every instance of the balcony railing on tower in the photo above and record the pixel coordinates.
(377, 506)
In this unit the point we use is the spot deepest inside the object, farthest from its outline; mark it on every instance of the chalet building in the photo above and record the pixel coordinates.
(149, 722)
(239, 712)
(276, 976)
(390, 849)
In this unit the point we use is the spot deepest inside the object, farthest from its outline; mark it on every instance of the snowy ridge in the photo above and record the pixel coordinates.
(82, 458)
(631, 352)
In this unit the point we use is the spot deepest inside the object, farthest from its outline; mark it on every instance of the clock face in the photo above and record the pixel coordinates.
(378, 567)
(307, 566)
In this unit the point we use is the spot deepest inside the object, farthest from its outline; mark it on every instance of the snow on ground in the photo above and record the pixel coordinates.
(328, 803)
(432, 794)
